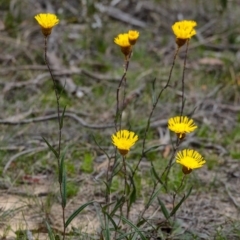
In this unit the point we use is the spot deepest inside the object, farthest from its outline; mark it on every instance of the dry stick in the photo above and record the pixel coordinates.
(151, 113)
(54, 116)
(27, 151)
(59, 133)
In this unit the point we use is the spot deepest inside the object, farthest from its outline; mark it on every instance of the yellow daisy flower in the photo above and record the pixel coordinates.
(183, 31)
(190, 159)
(47, 21)
(123, 42)
(181, 125)
(124, 140)
(133, 36)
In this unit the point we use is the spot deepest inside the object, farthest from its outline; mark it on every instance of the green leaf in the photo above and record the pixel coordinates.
(133, 195)
(119, 203)
(164, 209)
(181, 202)
(62, 165)
(51, 148)
(135, 227)
(106, 232)
(153, 92)
(62, 117)
(123, 236)
(153, 197)
(224, 3)
(152, 148)
(87, 163)
(141, 222)
(50, 232)
(155, 174)
(107, 186)
(116, 169)
(189, 192)
(64, 187)
(75, 213)
(111, 220)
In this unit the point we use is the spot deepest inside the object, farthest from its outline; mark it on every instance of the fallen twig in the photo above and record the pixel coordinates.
(54, 116)
(230, 195)
(14, 157)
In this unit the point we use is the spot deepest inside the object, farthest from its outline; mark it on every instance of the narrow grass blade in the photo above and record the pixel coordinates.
(62, 117)
(118, 204)
(189, 192)
(74, 214)
(116, 170)
(111, 220)
(106, 232)
(141, 222)
(106, 206)
(51, 148)
(181, 202)
(134, 227)
(164, 209)
(107, 187)
(50, 232)
(123, 236)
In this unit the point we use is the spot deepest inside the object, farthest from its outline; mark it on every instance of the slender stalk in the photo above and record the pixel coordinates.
(125, 185)
(170, 163)
(153, 108)
(118, 109)
(167, 169)
(125, 174)
(59, 131)
(177, 191)
(183, 78)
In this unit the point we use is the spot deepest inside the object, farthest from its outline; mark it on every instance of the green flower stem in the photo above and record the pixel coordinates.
(59, 132)
(183, 78)
(176, 192)
(170, 164)
(118, 115)
(153, 108)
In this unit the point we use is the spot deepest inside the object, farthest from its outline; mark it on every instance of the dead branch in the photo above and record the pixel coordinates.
(55, 116)
(14, 157)
(120, 15)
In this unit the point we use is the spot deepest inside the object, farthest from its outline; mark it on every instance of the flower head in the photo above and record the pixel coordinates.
(124, 140)
(190, 159)
(123, 42)
(181, 125)
(183, 31)
(133, 36)
(47, 21)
